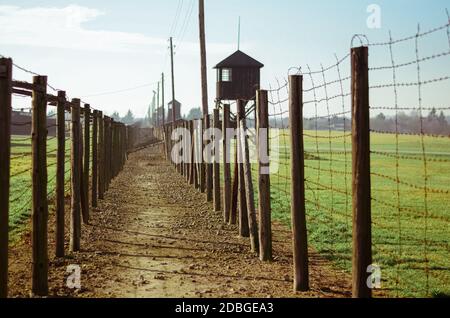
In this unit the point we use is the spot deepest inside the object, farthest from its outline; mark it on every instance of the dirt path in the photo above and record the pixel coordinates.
(154, 236)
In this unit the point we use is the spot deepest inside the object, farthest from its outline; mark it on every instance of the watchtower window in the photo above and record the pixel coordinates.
(226, 75)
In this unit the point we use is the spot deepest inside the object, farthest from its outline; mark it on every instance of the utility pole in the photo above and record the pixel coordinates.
(158, 109)
(203, 57)
(206, 169)
(162, 99)
(173, 81)
(155, 118)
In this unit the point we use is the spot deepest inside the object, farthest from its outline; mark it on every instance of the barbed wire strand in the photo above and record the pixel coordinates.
(397, 167)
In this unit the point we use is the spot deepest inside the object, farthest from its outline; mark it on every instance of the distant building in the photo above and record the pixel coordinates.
(238, 77)
(21, 124)
(177, 112)
(140, 134)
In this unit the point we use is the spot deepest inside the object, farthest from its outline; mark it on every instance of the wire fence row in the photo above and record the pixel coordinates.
(63, 159)
(406, 180)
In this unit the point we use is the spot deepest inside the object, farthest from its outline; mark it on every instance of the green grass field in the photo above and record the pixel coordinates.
(20, 192)
(410, 233)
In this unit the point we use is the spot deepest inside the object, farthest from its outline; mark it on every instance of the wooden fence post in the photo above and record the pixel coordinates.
(128, 138)
(75, 220)
(5, 159)
(298, 210)
(265, 220)
(188, 154)
(164, 137)
(187, 148)
(116, 153)
(60, 174)
(192, 174)
(94, 159)
(121, 154)
(198, 156)
(249, 194)
(243, 214)
(105, 167)
(127, 145)
(101, 156)
(208, 166)
(362, 231)
(119, 148)
(86, 153)
(171, 129)
(176, 165)
(162, 131)
(122, 145)
(187, 151)
(129, 134)
(226, 163)
(113, 149)
(105, 153)
(80, 162)
(109, 152)
(235, 189)
(166, 141)
(180, 166)
(202, 166)
(40, 204)
(216, 164)
(169, 143)
(112, 125)
(169, 136)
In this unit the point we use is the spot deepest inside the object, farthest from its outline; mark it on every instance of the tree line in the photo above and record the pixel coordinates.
(434, 123)
(128, 119)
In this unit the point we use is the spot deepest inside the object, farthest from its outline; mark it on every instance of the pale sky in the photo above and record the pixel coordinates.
(92, 48)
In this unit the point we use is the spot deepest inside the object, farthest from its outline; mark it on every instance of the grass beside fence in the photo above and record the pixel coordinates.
(21, 180)
(410, 243)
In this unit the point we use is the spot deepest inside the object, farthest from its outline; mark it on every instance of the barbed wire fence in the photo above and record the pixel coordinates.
(21, 183)
(279, 120)
(327, 158)
(408, 161)
(409, 156)
(327, 139)
(414, 156)
(379, 201)
(47, 133)
(20, 192)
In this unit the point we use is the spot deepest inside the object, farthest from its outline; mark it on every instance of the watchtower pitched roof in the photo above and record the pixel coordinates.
(239, 59)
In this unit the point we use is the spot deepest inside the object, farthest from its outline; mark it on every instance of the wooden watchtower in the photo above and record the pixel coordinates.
(238, 77)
